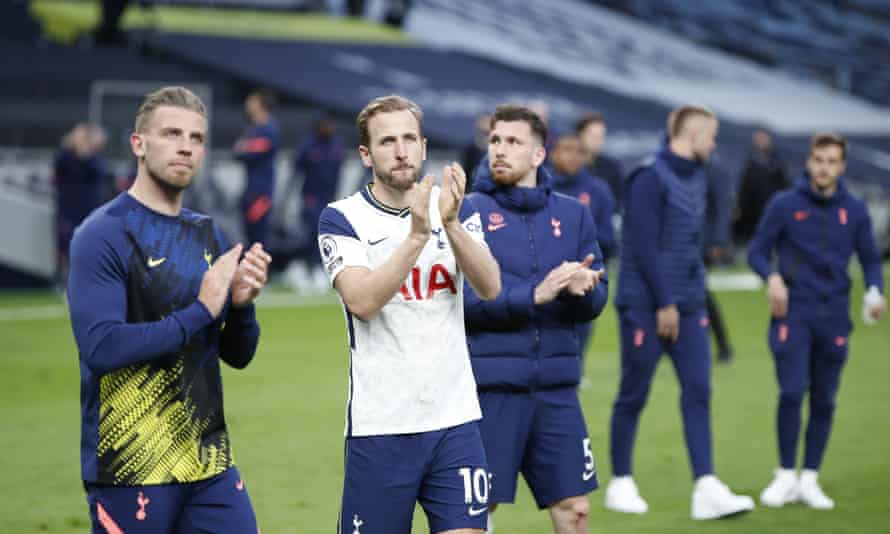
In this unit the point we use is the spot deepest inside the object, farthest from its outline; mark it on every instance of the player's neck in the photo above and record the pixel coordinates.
(389, 196)
(682, 147)
(147, 191)
(530, 180)
(260, 118)
(827, 191)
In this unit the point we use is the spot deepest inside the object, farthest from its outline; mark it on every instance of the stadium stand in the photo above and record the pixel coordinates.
(842, 44)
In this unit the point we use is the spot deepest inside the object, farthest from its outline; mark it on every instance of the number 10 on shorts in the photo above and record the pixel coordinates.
(476, 483)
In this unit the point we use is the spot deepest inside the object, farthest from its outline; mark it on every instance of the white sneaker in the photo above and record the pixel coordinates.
(711, 499)
(811, 493)
(622, 495)
(782, 490)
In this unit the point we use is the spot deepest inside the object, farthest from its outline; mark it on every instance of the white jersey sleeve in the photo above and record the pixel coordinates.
(339, 244)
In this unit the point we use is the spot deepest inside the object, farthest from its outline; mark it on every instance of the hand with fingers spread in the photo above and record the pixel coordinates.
(218, 279)
(584, 280)
(251, 276)
(419, 204)
(454, 183)
(555, 281)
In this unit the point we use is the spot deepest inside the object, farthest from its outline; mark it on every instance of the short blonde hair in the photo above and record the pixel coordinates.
(179, 97)
(385, 104)
(679, 117)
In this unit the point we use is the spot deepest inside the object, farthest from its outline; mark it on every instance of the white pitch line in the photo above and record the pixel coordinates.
(716, 282)
(32, 313)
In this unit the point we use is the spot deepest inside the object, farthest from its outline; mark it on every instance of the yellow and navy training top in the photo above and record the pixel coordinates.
(151, 391)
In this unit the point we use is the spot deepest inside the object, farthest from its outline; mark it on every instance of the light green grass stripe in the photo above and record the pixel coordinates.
(63, 21)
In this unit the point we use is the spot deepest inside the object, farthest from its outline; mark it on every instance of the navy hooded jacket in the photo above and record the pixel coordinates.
(258, 156)
(814, 237)
(514, 344)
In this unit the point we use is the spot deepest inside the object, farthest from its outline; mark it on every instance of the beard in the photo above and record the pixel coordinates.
(701, 157)
(172, 183)
(506, 175)
(823, 183)
(400, 183)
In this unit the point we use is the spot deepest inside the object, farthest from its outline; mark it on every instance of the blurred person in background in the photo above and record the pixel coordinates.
(591, 129)
(662, 308)
(396, 11)
(319, 159)
(108, 31)
(572, 179)
(257, 148)
(82, 181)
(763, 177)
(157, 298)
(813, 229)
(473, 153)
(718, 212)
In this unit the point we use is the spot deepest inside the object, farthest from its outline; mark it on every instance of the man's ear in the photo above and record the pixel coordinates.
(365, 155)
(540, 156)
(137, 144)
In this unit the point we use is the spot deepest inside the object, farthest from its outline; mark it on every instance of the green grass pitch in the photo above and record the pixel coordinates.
(286, 414)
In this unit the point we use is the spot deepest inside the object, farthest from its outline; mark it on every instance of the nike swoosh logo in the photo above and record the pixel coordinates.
(476, 511)
(493, 227)
(152, 263)
(588, 476)
(382, 239)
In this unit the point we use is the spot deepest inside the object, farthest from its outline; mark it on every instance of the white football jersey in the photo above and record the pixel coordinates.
(409, 366)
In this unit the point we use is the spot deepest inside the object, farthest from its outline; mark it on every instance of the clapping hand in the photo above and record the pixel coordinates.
(250, 276)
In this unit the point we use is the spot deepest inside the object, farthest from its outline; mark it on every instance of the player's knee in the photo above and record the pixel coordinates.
(573, 509)
(630, 403)
(696, 392)
(821, 407)
(792, 396)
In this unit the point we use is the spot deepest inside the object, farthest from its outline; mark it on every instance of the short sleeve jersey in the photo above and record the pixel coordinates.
(409, 366)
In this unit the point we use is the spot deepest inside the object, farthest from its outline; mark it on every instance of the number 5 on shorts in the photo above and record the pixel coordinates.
(589, 462)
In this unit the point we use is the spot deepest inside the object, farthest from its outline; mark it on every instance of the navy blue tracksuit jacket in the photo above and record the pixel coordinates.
(262, 143)
(814, 238)
(514, 344)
